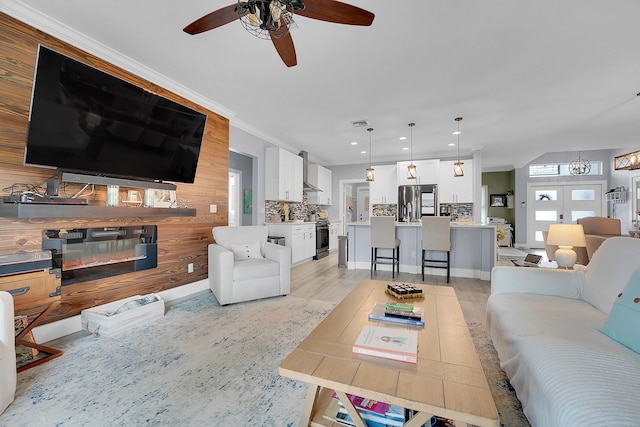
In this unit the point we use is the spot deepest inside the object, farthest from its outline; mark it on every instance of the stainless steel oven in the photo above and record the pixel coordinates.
(322, 238)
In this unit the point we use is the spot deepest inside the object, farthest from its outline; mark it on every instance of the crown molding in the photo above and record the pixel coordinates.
(38, 20)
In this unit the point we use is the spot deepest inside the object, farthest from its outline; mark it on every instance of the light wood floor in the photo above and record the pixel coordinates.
(324, 280)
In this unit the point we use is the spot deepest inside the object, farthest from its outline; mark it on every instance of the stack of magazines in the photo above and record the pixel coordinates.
(373, 413)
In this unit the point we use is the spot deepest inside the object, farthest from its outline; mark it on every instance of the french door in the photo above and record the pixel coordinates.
(553, 203)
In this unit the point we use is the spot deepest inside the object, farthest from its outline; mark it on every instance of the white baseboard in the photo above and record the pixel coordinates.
(71, 325)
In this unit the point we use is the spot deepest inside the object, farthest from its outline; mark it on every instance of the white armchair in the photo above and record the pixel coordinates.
(243, 266)
(8, 371)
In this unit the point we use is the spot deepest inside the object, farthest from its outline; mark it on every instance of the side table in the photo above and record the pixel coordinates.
(34, 293)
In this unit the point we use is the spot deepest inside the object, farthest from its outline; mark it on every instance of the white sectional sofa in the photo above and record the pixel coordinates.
(544, 325)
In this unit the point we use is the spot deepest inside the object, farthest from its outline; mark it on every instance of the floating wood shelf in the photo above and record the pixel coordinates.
(26, 210)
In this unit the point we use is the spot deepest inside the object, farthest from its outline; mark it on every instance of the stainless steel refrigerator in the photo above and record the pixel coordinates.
(416, 201)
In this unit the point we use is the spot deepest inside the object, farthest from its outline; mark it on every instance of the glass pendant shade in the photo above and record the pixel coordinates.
(411, 169)
(457, 166)
(369, 175)
(457, 169)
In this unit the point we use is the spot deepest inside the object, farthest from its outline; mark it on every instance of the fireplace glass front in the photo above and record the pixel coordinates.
(93, 253)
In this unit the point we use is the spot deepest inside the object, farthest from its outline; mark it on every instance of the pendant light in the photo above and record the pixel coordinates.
(370, 177)
(457, 166)
(579, 166)
(411, 169)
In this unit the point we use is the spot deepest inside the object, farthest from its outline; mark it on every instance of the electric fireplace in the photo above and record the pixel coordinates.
(93, 253)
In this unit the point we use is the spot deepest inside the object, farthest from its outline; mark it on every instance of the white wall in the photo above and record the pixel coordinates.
(250, 145)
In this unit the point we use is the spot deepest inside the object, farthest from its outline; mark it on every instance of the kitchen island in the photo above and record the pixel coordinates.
(473, 249)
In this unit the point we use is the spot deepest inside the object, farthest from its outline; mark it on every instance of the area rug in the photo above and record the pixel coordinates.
(201, 364)
(507, 403)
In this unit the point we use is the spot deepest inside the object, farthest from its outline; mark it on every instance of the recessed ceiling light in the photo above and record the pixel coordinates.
(405, 148)
(402, 138)
(452, 144)
(363, 152)
(354, 143)
(456, 132)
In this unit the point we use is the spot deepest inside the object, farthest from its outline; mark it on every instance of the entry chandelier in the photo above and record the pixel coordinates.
(369, 176)
(629, 161)
(579, 166)
(411, 169)
(457, 166)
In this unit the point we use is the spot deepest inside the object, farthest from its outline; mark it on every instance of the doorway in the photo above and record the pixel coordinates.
(235, 198)
(362, 205)
(553, 203)
(349, 203)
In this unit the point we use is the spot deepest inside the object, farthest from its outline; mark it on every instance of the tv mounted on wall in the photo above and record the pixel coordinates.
(87, 121)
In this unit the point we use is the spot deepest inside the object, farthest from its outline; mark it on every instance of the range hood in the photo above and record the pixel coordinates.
(306, 186)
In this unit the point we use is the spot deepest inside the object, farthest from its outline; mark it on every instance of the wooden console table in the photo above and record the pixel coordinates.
(34, 294)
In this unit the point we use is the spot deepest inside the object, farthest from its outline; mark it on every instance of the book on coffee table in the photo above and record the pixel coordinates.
(388, 343)
(379, 312)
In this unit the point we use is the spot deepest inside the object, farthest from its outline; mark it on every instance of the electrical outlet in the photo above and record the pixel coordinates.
(190, 267)
(213, 208)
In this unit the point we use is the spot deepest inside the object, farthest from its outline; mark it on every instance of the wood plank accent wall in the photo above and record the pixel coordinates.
(181, 240)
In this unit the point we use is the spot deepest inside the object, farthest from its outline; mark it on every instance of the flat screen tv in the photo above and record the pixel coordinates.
(84, 120)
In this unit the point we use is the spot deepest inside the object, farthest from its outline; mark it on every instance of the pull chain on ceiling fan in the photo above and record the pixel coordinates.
(272, 19)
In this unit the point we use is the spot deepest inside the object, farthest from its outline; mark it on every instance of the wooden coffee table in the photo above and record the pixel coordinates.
(447, 381)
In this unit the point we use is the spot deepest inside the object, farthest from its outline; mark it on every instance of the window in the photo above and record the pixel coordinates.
(560, 169)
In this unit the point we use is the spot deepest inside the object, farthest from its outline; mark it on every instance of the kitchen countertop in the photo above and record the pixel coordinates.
(419, 224)
(290, 223)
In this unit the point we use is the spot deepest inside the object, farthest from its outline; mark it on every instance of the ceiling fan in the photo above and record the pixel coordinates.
(273, 18)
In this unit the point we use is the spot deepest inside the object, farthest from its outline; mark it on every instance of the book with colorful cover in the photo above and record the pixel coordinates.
(393, 415)
(388, 343)
(379, 313)
(366, 404)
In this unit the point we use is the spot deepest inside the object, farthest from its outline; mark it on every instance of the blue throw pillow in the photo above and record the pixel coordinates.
(623, 324)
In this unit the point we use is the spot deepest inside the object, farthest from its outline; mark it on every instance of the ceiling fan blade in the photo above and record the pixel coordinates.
(335, 11)
(284, 46)
(215, 19)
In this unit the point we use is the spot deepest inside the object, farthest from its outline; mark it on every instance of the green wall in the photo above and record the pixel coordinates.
(501, 183)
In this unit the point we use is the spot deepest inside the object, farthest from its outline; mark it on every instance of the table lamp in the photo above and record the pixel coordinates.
(566, 236)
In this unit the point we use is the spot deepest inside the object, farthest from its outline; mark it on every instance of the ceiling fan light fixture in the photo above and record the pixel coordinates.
(411, 169)
(266, 20)
(369, 177)
(457, 166)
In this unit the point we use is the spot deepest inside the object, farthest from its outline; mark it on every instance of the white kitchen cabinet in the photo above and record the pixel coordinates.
(300, 237)
(320, 177)
(427, 172)
(383, 189)
(334, 230)
(455, 189)
(283, 179)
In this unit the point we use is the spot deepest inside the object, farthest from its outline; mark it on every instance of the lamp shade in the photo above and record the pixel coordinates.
(566, 235)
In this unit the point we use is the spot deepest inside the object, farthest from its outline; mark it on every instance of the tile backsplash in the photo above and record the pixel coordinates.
(297, 210)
